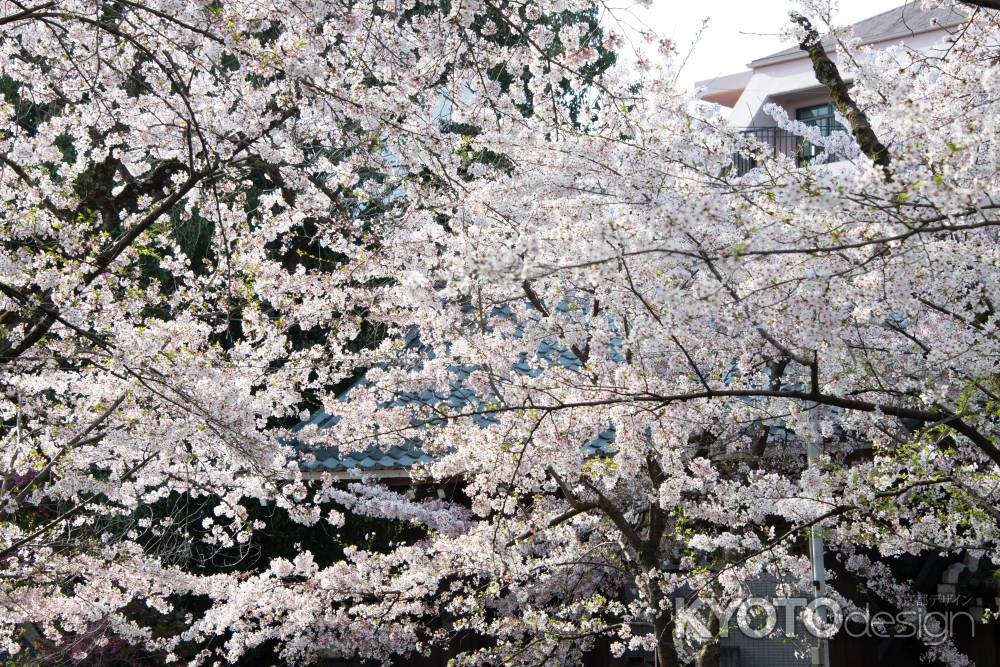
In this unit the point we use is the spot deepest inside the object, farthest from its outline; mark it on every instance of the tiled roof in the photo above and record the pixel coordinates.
(373, 459)
(397, 456)
(905, 20)
(395, 460)
(402, 456)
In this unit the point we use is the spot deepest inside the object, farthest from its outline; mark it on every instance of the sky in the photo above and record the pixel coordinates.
(737, 31)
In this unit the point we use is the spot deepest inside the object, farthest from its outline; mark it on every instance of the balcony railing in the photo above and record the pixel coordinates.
(777, 141)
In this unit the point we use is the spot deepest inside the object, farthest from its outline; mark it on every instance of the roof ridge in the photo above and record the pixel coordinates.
(906, 13)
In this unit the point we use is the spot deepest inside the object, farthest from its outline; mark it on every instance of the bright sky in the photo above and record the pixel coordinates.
(738, 31)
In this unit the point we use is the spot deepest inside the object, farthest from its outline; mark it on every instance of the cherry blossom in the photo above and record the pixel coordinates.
(222, 217)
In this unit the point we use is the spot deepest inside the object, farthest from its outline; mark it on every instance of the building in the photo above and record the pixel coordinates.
(786, 78)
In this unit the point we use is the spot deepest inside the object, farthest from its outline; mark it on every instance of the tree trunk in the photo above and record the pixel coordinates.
(666, 652)
(828, 74)
(708, 655)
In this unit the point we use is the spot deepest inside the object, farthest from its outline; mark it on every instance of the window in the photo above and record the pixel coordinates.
(821, 116)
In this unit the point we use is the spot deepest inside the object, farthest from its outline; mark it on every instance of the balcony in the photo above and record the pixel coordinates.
(777, 141)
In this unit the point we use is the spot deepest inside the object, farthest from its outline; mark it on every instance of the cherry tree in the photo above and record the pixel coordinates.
(190, 191)
(209, 208)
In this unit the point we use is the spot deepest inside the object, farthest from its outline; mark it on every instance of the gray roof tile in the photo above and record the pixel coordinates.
(408, 454)
(907, 19)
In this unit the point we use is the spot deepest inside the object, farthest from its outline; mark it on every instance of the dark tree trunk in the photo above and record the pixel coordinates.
(708, 655)
(666, 652)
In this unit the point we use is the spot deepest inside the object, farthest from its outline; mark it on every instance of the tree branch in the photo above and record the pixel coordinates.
(828, 75)
(987, 4)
